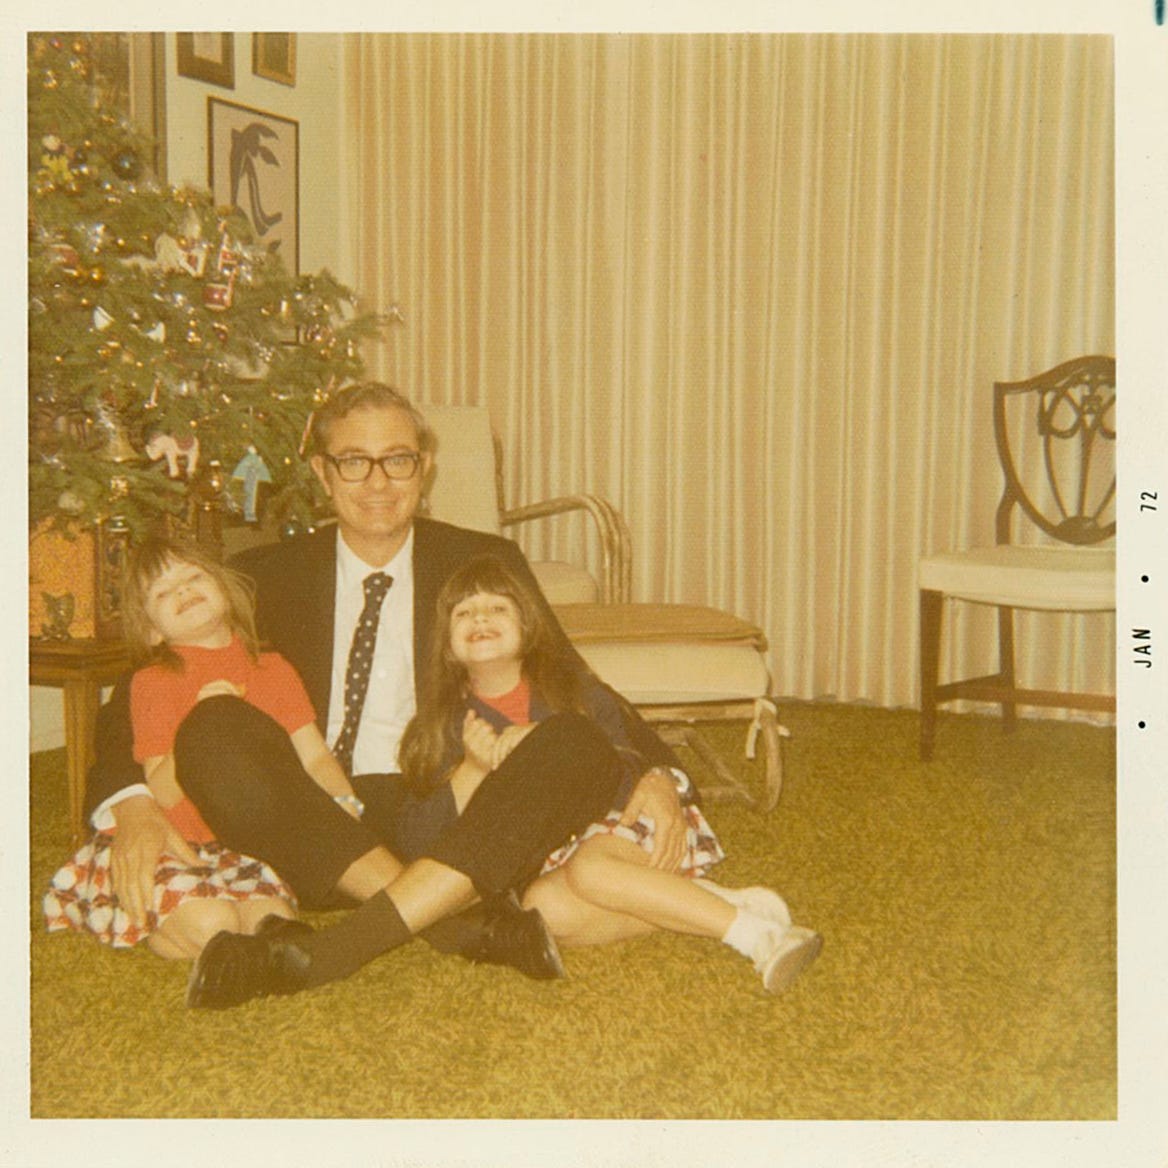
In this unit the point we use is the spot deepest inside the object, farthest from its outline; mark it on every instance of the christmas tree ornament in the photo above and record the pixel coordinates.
(78, 429)
(194, 259)
(119, 488)
(126, 164)
(218, 297)
(251, 470)
(228, 257)
(70, 503)
(168, 254)
(118, 447)
(66, 257)
(180, 451)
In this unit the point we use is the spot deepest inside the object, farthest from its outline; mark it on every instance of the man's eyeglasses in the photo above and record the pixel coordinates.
(356, 468)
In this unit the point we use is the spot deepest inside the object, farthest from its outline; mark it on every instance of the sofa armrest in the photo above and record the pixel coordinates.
(615, 553)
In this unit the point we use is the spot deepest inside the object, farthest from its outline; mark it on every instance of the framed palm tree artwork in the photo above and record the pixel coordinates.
(254, 166)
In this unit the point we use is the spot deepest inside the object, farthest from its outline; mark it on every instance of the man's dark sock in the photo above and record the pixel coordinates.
(341, 949)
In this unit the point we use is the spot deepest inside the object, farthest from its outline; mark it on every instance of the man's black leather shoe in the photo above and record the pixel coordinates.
(234, 968)
(519, 938)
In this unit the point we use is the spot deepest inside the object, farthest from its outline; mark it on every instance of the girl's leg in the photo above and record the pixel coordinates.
(184, 933)
(612, 873)
(575, 922)
(369, 874)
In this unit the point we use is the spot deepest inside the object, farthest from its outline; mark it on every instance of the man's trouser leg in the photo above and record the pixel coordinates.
(239, 768)
(560, 778)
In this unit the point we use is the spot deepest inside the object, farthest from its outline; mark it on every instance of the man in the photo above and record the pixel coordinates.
(357, 651)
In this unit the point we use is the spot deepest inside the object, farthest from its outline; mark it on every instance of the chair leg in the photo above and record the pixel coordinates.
(931, 607)
(766, 722)
(1006, 666)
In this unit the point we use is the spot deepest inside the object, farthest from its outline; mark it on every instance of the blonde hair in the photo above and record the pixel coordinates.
(145, 564)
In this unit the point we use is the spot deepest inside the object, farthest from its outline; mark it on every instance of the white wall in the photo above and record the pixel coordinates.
(314, 102)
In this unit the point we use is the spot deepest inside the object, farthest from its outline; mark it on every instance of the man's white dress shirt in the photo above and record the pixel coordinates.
(389, 701)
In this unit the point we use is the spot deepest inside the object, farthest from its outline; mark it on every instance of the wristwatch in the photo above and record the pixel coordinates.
(350, 801)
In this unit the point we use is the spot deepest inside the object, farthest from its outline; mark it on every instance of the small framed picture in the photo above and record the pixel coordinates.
(253, 163)
(207, 56)
(273, 56)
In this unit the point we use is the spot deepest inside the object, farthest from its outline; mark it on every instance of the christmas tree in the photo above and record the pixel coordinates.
(172, 361)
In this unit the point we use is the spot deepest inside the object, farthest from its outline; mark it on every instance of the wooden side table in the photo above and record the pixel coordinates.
(80, 668)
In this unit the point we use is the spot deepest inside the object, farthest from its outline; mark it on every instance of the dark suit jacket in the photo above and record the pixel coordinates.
(295, 593)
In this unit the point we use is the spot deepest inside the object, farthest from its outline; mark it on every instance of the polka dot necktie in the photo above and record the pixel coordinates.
(360, 663)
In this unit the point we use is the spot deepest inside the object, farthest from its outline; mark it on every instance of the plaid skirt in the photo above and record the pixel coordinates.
(702, 849)
(80, 895)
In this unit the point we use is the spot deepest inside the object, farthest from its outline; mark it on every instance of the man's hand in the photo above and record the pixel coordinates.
(143, 834)
(655, 795)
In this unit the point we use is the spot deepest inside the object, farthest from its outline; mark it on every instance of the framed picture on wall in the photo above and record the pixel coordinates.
(253, 162)
(273, 56)
(206, 56)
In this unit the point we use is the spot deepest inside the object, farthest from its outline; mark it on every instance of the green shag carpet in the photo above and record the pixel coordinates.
(968, 972)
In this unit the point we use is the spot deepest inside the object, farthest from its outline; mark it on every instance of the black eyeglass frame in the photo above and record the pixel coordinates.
(414, 457)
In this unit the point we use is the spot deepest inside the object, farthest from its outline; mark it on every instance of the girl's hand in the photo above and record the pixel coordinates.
(479, 740)
(221, 687)
(508, 740)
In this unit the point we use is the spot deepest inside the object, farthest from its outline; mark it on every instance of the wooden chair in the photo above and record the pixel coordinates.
(1055, 436)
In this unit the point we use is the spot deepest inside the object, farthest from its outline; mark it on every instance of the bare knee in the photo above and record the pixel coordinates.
(252, 912)
(558, 906)
(589, 873)
(192, 925)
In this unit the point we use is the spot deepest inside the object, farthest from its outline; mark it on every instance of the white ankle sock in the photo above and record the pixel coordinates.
(746, 931)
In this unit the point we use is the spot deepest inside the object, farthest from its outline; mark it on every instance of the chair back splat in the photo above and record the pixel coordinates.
(1055, 435)
(1056, 441)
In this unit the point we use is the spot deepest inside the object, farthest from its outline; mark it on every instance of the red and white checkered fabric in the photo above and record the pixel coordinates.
(702, 849)
(80, 896)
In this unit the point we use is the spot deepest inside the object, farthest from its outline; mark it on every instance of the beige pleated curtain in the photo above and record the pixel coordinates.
(755, 290)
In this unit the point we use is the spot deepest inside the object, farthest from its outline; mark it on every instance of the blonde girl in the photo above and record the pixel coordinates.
(190, 627)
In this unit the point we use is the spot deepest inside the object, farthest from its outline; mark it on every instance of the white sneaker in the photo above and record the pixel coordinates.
(761, 902)
(790, 952)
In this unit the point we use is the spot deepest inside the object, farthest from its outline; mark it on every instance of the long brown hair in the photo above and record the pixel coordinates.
(435, 731)
(146, 563)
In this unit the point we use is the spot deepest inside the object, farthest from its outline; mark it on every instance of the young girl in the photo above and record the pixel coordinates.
(189, 622)
(492, 678)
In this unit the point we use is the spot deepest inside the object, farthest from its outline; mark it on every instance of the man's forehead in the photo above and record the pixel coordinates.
(374, 426)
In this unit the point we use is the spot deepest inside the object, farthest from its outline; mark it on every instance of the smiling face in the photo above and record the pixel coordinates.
(486, 636)
(186, 606)
(375, 515)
